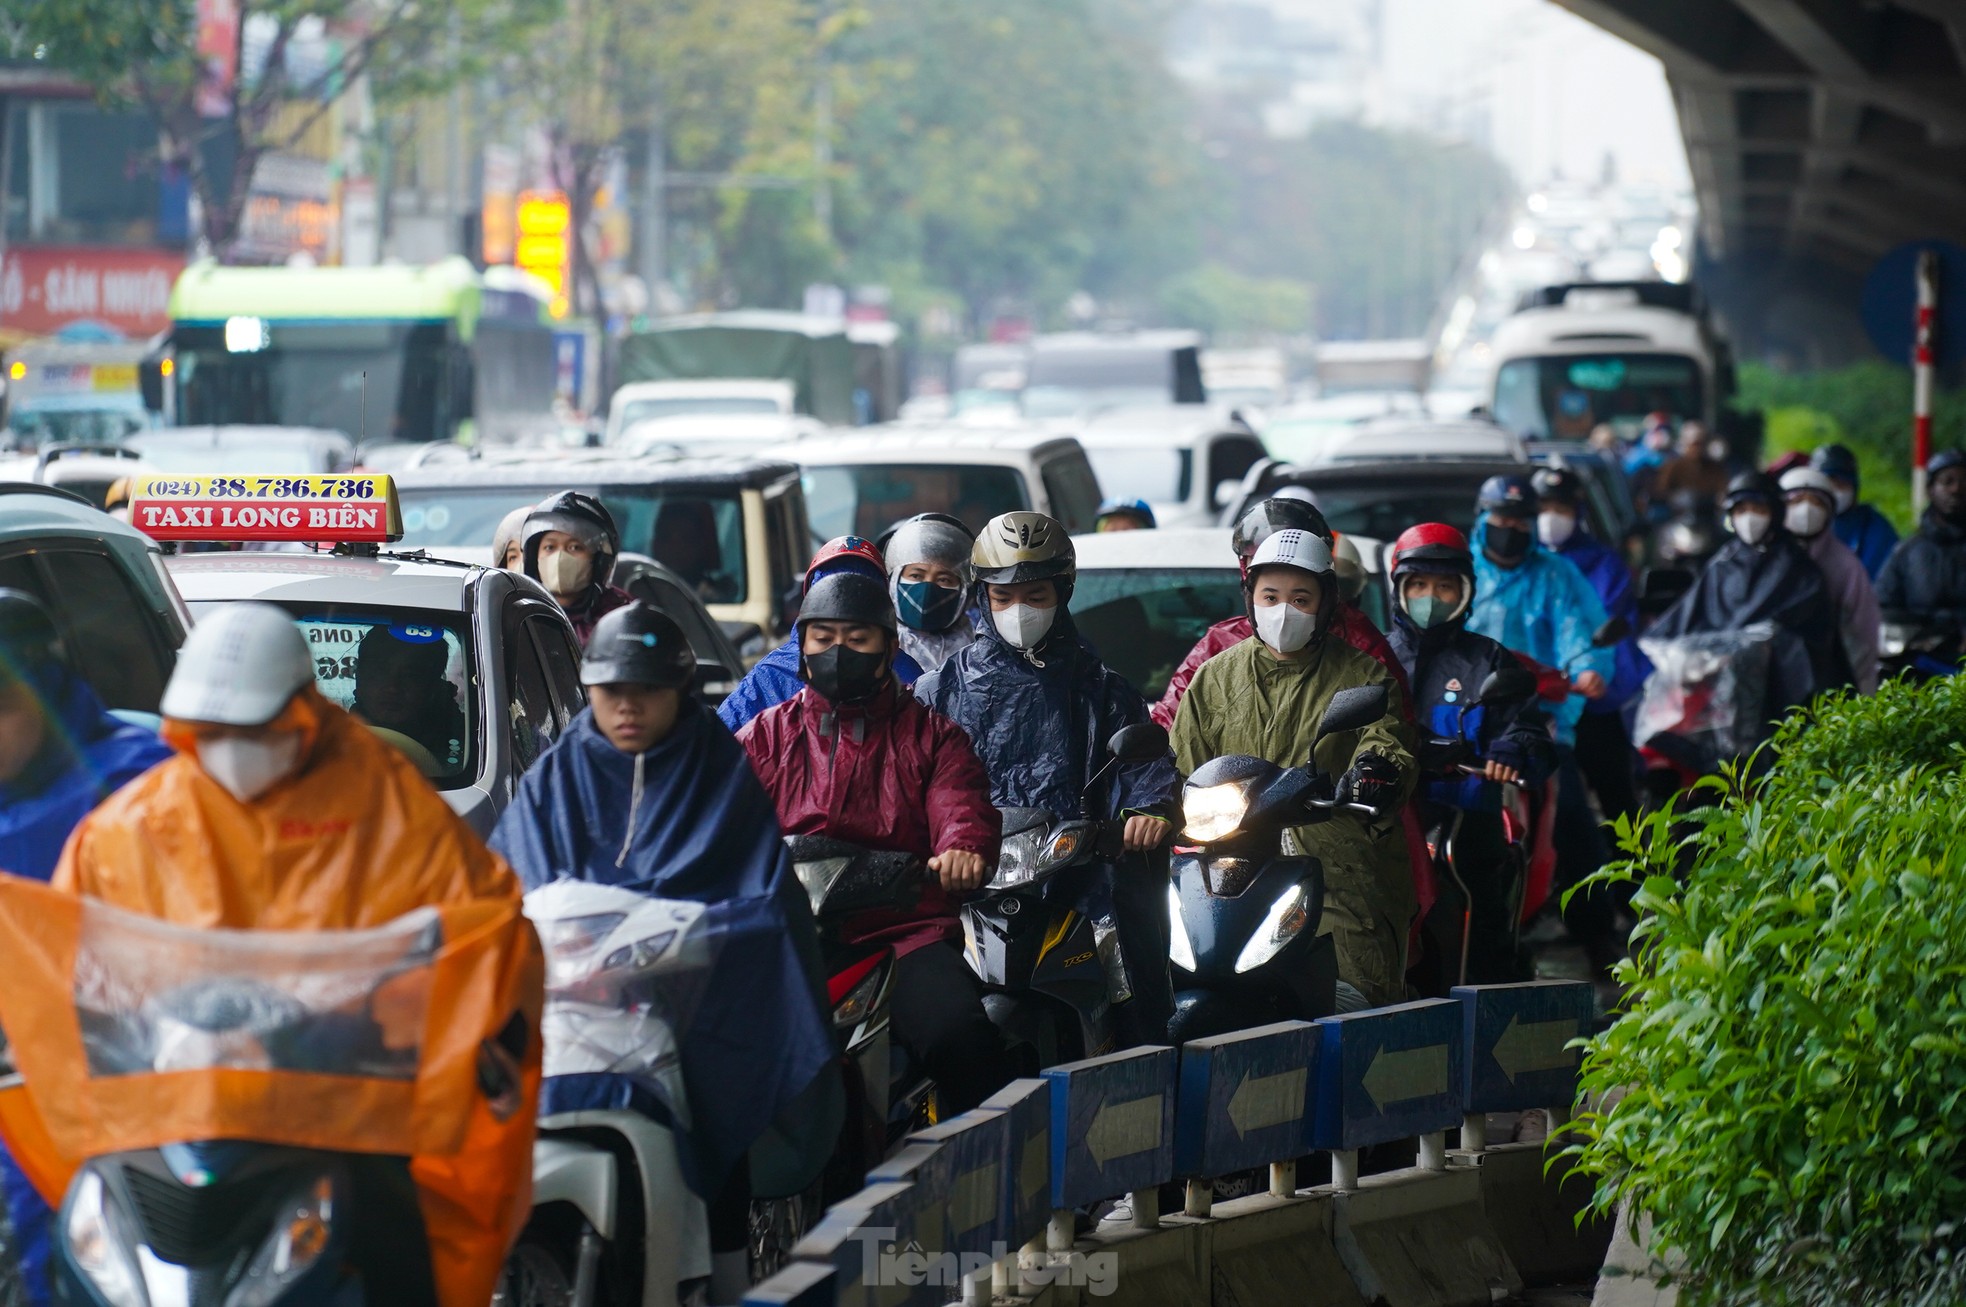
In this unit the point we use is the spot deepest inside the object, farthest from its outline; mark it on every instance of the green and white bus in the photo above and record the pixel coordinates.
(441, 352)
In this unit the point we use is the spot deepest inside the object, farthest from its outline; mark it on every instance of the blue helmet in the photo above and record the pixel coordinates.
(1514, 495)
(1139, 508)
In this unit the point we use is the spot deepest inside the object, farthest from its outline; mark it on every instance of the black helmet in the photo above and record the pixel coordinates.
(638, 644)
(1514, 494)
(581, 516)
(1558, 485)
(29, 642)
(1835, 461)
(1944, 460)
(1273, 515)
(848, 597)
(1755, 487)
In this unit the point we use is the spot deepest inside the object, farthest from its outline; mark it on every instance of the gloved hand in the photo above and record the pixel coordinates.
(1372, 781)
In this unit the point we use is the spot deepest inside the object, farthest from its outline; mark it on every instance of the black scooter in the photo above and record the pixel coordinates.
(1050, 973)
(1243, 916)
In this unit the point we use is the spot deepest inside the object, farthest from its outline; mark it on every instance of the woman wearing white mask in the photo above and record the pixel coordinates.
(1809, 509)
(1265, 697)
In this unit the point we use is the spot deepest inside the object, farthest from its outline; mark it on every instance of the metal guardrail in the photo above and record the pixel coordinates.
(966, 1200)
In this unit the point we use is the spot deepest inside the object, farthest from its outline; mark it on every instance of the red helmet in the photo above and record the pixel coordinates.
(846, 554)
(1434, 548)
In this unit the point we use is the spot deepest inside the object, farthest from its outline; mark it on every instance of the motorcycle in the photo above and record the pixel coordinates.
(1910, 643)
(239, 1221)
(1449, 925)
(1050, 972)
(610, 1203)
(1242, 913)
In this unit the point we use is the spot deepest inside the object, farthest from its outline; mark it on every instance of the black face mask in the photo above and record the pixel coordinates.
(838, 674)
(1509, 543)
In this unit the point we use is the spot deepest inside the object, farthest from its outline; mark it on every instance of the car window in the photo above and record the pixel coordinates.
(562, 665)
(449, 518)
(1229, 459)
(1073, 491)
(528, 695)
(1383, 511)
(108, 635)
(696, 533)
(1143, 621)
(405, 672)
(867, 498)
(787, 550)
(1160, 474)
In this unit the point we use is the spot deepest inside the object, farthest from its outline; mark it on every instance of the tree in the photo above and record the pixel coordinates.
(290, 60)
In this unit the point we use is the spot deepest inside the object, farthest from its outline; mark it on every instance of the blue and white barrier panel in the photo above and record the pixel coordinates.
(1518, 1040)
(1112, 1126)
(1246, 1100)
(1389, 1073)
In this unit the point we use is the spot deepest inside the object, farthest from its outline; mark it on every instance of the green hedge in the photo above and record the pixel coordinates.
(1867, 407)
(1794, 1046)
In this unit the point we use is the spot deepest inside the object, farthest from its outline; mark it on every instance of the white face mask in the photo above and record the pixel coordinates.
(1845, 499)
(1022, 626)
(1807, 518)
(1284, 628)
(565, 574)
(1555, 528)
(1752, 527)
(249, 767)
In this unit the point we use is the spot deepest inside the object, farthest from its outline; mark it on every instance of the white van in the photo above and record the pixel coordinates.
(864, 482)
(1186, 460)
(649, 401)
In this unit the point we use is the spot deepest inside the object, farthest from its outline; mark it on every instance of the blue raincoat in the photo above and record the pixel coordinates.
(1608, 574)
(89, 755)
(1543, 607)
(776, 679)
(1869, 534)
(688, 819)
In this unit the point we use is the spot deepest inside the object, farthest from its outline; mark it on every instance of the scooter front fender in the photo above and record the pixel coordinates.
(580, 1175)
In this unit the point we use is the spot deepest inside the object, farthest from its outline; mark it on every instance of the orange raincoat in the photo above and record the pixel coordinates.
(355, 839)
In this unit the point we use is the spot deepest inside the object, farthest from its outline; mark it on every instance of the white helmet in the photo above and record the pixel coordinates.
(239, 667)
(1808, 478)
(1293, 548)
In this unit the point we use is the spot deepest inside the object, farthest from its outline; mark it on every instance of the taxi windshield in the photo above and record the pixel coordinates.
(405, 672)
(694, 530)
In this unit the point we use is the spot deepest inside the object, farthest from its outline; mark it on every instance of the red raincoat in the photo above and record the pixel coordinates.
(1356, 630)
(891, 775)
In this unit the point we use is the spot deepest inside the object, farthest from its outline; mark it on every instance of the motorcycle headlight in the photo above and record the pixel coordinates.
(1284, 921)
(98, 1248)
(300, 1235)
(1021, 860)
(1892, 641)
(818, 877)
(642, 953)
(1179, 951)
(1214, 813)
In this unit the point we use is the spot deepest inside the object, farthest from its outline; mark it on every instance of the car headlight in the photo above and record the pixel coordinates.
(818, 877)
(1284, 921)
(95, 1244)
(1021, 860)
(300, 1235)
(1214, 813)
(1179, 951)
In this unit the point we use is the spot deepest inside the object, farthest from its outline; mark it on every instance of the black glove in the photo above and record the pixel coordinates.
(1372, 781)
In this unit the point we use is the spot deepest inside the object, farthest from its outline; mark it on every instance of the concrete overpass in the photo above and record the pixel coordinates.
(1820, 133)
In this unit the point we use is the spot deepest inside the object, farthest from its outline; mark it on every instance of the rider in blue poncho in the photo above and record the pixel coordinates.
(61, 753)
(647, 791)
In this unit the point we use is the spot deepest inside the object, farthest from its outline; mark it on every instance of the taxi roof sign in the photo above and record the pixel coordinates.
(342, 508)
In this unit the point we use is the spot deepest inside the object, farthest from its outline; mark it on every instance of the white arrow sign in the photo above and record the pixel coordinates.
(973, 1199)
(1264, 1101)
(1395, 1077)
(1123, 1129)
(1526, 1047)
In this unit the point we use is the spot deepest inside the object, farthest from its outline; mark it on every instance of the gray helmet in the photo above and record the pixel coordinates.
(930, 538)
(638, 644)
(1024, 546)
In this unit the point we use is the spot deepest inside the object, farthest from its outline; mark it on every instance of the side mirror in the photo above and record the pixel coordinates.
(1511, 684)
(1612, 632)
(150, 381)
(1353, 709)
(1142, 742)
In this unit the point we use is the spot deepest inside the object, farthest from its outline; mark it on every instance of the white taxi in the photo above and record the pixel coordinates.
(469, 670)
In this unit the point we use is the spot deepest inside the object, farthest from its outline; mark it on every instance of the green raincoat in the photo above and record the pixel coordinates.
(1247, 701)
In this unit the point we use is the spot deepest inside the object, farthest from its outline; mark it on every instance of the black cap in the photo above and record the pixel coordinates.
(28, 639)
(638, 644)
(1755, 486)
(849, 597)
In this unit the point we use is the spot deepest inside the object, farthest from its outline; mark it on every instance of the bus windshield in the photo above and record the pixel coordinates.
(1564, 398)
(379, 380)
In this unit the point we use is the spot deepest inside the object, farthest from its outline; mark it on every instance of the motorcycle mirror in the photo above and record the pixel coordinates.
(1614, 630)
(1141, 742)
(1513, 683)
(1353, 709)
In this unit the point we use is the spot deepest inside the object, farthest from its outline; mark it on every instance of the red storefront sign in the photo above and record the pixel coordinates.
(44, 288)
